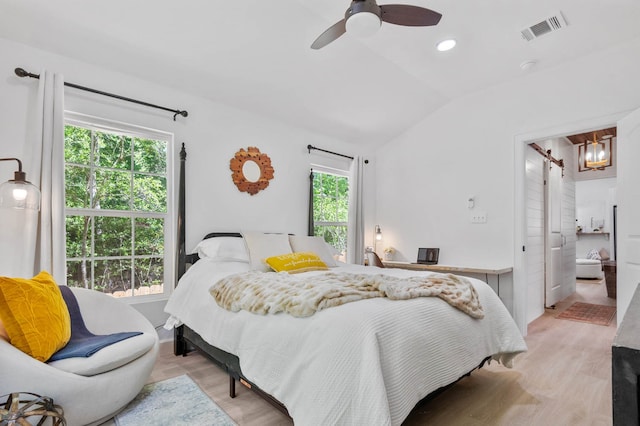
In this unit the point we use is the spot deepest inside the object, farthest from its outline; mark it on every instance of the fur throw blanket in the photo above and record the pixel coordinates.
(301, 296)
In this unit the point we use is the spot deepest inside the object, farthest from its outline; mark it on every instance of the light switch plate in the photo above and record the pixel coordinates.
(479, 217)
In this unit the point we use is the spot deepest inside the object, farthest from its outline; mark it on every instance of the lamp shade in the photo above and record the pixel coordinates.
(363, 18)
(363, 24)
(19, 193)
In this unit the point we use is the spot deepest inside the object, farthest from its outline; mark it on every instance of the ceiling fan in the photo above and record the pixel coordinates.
(364, 17)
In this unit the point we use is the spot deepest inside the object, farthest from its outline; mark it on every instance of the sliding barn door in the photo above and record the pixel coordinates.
(553, 233)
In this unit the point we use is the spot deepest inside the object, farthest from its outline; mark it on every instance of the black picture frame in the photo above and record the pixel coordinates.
(428, 256)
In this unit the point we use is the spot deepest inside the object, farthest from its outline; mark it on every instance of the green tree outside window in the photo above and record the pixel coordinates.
(116, 211)
(331, 209)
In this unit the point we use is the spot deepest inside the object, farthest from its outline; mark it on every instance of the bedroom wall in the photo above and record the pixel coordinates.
(213, 133)
(595, 199)
(467, 149)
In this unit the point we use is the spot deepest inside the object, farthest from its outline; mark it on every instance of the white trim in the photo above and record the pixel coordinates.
(329, 170)
(520, 223)
(121, 128)
(118, 127)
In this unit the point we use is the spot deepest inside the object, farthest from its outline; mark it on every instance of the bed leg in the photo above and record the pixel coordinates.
(179, 344)
(232, 387)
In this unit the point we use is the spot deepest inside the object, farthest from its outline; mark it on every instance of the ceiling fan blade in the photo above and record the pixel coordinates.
(331, 34)
(410, 16)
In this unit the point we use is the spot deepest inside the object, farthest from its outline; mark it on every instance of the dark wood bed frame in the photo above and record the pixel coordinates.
(187, 340)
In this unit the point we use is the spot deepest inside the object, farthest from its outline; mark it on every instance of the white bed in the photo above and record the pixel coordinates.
(366, 362)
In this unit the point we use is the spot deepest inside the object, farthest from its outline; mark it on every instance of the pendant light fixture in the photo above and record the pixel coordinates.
(19, 193)
(595, 155)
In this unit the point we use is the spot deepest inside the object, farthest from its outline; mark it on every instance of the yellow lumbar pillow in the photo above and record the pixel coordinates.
(296, 262)
(34, 314)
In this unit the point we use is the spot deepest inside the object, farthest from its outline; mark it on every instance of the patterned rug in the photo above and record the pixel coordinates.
(587, 312)
(176, 401)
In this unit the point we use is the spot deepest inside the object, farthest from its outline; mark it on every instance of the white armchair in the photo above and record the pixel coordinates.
(89, 399)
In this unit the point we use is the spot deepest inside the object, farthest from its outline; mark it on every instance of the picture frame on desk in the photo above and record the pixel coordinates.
(428, 256)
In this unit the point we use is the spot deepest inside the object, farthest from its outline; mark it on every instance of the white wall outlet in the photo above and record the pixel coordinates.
(479, 217)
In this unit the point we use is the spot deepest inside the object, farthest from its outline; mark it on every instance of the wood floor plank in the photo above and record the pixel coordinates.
(564, 379)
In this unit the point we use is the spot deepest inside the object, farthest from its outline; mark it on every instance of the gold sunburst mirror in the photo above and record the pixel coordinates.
(252, 170)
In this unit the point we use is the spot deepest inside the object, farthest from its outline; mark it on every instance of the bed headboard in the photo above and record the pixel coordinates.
(222, 234)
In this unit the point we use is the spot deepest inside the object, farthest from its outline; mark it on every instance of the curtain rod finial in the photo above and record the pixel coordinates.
(178, 112)
(20, 72)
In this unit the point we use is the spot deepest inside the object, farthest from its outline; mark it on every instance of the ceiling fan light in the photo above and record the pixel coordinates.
(363, 24)
(445, 45)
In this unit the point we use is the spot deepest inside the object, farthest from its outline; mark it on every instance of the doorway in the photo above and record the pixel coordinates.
(572, 231)
(528, 297)
(550, 223)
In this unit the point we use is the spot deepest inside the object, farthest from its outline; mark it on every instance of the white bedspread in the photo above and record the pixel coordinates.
(362, 363)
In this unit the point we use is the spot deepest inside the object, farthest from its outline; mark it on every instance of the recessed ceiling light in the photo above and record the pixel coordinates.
(445, 45)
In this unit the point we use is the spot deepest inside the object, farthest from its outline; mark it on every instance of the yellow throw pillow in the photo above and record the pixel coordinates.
(3, 332)
(294, 263)
(34, 315)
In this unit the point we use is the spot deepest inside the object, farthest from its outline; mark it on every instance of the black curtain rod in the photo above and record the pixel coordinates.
(20, 72)
(310, 147)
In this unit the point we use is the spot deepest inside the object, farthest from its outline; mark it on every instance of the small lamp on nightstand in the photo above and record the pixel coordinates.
(378, 237)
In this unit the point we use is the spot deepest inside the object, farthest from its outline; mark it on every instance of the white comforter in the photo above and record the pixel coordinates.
(362, 363)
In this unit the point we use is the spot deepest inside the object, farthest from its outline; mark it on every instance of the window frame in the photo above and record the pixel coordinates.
(340, 173)
(111, 126)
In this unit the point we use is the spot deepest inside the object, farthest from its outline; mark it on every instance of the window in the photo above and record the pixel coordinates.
(331, 209)
(117, 209)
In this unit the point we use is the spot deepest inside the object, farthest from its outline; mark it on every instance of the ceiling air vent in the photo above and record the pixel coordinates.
(552, 23)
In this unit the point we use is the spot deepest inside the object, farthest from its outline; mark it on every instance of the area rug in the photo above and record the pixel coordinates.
(176, 401)
(590, 313)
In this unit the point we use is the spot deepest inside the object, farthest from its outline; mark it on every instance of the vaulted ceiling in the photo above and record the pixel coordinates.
(255, 54)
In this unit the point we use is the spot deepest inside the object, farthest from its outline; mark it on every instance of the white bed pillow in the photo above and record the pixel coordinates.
(223, 249)
(317, 245)
(262, 246)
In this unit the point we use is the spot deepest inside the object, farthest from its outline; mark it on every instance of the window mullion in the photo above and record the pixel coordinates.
(133, 220)
(92, 255)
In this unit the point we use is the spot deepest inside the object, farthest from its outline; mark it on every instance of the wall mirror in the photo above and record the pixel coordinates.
(251, 169)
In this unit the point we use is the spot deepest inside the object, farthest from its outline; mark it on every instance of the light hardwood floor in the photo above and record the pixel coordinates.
(564, 379)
